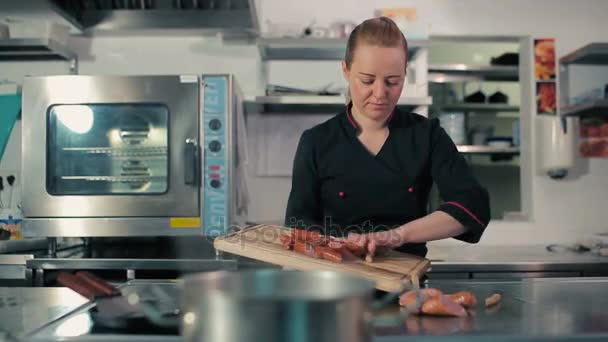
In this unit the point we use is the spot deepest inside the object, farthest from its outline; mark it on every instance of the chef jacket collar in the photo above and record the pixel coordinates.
(352, 125)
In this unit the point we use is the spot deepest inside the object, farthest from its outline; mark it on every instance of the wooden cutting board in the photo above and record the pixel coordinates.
(261, 242)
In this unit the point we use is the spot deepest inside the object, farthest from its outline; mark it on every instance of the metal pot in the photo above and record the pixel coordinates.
(275, 305)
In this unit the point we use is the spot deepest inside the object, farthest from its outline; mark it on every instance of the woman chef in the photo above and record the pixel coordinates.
(368, 172)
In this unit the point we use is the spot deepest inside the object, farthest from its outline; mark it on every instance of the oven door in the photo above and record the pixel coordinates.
(111, 146)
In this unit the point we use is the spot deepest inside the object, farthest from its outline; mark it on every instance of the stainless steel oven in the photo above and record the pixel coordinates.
(132, 155)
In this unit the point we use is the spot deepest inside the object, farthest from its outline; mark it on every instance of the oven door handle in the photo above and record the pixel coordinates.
(191, 162)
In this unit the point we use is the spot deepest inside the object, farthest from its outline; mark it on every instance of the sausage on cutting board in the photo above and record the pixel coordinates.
(311, 237)
(328, 253)
(286, 241)
(355, 249)
(347, 255)
(306, 248)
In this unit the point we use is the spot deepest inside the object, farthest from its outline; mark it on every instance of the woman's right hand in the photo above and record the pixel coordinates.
(374, 243)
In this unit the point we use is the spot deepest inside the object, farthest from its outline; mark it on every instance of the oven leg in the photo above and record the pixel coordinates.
(29, 277)
(39, 277)
(86, 242)
(52, 247)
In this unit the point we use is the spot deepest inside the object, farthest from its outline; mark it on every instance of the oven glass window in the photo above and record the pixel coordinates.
(107, 149)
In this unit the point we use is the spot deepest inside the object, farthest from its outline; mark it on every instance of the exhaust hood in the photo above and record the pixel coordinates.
(94, 16)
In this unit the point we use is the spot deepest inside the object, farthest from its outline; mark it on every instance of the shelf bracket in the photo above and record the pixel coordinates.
(74, 66)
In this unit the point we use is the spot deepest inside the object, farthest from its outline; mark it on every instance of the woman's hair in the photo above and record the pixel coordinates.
(380, 31)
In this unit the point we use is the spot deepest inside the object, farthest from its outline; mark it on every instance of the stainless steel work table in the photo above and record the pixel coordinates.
(461, 262)
(23, 309)
(573, 309)
(504, 262)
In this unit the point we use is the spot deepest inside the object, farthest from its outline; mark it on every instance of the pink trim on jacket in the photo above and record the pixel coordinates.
(467, 211)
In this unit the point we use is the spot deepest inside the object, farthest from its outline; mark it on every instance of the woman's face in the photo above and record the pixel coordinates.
(376, 78)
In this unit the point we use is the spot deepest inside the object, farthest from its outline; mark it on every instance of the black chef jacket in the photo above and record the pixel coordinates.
(338, 186)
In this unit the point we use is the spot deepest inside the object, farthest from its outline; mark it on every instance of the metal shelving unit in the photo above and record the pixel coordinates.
(595, 108)
(330, 100)
(33, 49)
(319, 103)
(452, 77)
(37, 50)
(314, 48)
(480, 107)
(449, 73)
(333, 49)
(591, 54)
(483, 149)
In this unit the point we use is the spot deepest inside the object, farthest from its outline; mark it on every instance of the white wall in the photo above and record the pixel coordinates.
(562, 210)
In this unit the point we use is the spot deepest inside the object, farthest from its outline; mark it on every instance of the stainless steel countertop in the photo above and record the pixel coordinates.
(537, 308)
(476, 258)
(79, 324)
(23, 309)
(531, 310)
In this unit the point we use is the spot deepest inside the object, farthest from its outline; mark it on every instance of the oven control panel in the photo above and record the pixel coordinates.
(216, 178)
